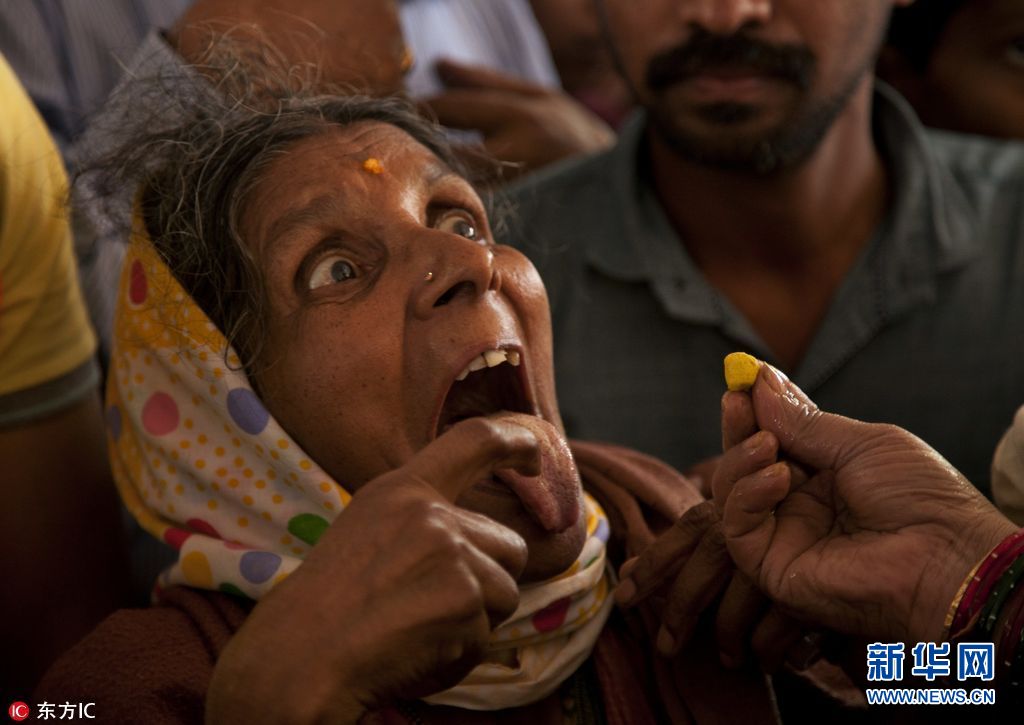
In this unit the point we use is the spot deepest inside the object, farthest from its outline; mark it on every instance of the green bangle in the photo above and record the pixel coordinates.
(990, 612)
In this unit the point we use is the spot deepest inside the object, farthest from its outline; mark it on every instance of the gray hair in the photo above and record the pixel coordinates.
(195, 154)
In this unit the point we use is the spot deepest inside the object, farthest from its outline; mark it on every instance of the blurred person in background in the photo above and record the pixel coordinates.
(486, 71)
(61, 555)
(585, 64)
(960, 63)
(69, 55)
(771, 196)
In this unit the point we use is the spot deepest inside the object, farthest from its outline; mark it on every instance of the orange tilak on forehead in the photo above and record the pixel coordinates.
(373, 166)
(407, 60)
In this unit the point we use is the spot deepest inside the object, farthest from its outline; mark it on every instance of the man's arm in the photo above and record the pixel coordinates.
(60, 532)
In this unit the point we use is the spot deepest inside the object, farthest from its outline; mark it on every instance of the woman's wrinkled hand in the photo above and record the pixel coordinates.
(396, 601)
(860, 528)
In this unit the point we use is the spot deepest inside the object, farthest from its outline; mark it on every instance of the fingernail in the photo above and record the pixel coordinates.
(805, 652)
(754, 442)
(771, 471)
(666, 643)
(773, 379)
(625, 592)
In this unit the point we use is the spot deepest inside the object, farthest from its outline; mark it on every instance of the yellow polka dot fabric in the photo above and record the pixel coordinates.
(203, 466)
(187, 436)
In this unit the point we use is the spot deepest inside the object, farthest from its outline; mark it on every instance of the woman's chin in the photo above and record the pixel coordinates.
(551, 554)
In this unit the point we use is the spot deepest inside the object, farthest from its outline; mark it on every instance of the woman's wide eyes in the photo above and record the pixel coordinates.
(335, 268)
(332, 269)
(459, 223)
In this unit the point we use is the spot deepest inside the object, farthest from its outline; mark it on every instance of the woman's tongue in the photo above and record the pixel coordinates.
(553, 497)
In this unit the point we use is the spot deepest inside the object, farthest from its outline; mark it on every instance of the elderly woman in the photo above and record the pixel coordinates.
(328, 383)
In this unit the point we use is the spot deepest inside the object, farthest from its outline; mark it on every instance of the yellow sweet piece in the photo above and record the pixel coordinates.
(741, 370)
(374, 166)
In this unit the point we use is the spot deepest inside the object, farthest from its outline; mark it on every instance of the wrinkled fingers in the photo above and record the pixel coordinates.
(661, 561)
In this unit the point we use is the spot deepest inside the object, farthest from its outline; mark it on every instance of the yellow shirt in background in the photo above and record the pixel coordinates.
(44, 330)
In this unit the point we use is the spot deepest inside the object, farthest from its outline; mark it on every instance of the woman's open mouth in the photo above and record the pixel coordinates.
(495, 383)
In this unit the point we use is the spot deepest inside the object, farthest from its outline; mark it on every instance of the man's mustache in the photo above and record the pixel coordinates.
(705, 52)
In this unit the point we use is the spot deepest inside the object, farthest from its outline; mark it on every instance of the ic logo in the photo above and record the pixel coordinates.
(18, 711)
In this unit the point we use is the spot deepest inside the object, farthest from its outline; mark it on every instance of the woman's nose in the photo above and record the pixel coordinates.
(458, 269)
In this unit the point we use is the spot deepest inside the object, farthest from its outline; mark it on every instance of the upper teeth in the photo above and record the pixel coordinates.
(489, 359)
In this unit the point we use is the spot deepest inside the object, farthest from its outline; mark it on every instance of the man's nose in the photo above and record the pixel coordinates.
(726, 17)
(455, 269)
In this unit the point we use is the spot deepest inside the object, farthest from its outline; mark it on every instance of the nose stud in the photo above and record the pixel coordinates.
(428, 276)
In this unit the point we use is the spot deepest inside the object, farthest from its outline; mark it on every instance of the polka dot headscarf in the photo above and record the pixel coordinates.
(203, 466)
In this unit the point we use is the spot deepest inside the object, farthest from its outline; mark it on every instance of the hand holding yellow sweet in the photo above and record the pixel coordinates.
(741, 370)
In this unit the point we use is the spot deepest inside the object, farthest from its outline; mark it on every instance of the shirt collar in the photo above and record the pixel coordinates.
(929, 229)
(618, 255)
(645, 247)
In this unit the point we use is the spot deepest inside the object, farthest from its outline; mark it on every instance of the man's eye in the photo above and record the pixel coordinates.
(330, 270)
(459, 224)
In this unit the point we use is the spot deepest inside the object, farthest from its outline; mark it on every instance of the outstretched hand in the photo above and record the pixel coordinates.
(861, 528)
(522, 123)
